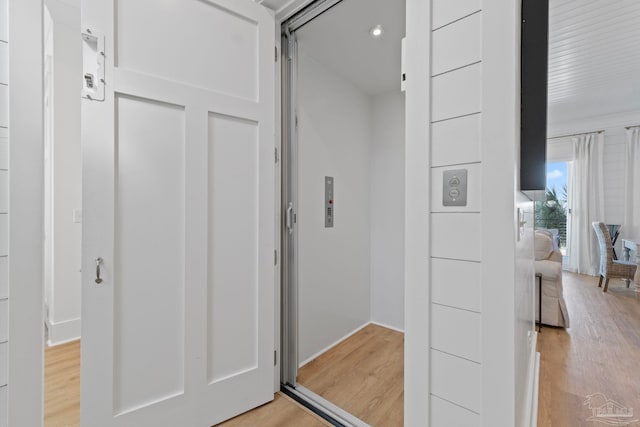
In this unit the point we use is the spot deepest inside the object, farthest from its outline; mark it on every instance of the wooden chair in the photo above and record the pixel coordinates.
(614, 232)
(609, 267)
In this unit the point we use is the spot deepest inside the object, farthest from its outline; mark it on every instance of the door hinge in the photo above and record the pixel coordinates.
(276, 155)
(275, 357)
(275, 257)
(276, 58)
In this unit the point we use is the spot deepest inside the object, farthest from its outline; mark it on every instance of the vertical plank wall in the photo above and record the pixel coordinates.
(456, 295)
(4, 202)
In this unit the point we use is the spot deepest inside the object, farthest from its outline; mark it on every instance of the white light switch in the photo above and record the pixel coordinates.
(77, 216)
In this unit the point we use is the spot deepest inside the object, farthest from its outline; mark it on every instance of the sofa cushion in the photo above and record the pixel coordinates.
(543, 245)
(550, 270)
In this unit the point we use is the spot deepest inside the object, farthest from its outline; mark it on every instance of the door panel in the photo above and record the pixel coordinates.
(149, 214)
(233, 253)
(218, 50)
(178, 201)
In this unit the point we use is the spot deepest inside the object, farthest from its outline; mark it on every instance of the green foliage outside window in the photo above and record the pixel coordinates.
(551, 213)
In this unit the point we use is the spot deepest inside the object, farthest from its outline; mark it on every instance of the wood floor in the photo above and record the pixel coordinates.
(363, 375)
(281, 412)
(62, 385)
(600, 353)
(62, 397)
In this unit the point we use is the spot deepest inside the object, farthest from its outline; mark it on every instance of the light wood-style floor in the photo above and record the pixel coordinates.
(282, 412)
(363, 375)
(599, 353)
(62, 385)
(62, 397)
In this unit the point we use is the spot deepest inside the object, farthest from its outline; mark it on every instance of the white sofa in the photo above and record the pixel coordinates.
(548, 262)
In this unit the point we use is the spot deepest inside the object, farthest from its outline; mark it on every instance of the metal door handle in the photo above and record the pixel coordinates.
(289, 217)
(98, 262)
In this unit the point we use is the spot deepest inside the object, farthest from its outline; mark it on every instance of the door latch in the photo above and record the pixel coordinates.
(93, 58)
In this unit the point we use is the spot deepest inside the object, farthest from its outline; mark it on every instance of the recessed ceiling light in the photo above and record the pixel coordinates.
(376, 32)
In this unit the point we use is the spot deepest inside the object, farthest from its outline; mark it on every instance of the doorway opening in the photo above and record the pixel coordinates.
(588, 141)
(62, 212)
(343, 199)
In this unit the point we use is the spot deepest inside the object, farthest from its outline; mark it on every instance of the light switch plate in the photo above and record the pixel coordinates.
(454, 187)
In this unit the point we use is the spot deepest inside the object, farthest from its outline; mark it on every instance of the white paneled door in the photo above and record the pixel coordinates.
(178, 203)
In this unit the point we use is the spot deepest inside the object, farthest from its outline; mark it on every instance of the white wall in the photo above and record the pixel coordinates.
(561, 149)
(4, 209)
(48, 140)
(387, 209)
(417, 268)
(525, 344)
(334, 271)
(509, 339)
(63, 297)
(26, 200)
(456, 253)
(482, 343)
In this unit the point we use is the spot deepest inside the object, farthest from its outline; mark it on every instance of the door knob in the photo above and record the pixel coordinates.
(98, 263)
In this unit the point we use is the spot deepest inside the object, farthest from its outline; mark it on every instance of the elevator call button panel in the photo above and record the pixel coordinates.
(454, 187)
(329, 206)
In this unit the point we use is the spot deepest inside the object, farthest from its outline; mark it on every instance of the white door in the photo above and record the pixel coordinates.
(178, 201)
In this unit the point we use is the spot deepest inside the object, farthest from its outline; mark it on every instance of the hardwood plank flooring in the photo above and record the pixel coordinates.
(282, 412)
(363, 375)
(62, 385)
(599, 353)
(62, 397)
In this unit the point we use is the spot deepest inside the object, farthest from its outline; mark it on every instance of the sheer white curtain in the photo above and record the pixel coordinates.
(631, 225)
(586, 201)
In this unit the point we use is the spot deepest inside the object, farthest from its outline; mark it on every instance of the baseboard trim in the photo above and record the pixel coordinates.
(355, 331)
(382, 325)
(63, 332)
(330, 346)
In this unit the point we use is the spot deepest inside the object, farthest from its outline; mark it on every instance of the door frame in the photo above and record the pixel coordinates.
(289, 232)
(26, 219)
(26, 198)
(417, 185)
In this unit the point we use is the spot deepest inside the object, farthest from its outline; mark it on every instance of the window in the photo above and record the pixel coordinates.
(551, 212)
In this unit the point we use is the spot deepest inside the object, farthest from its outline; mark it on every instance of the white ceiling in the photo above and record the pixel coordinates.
(594, 58)
(283, 8)
(340, 40)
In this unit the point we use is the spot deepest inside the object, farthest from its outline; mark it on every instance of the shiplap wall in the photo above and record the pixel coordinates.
(456, 363)
(4, 207)
(561, 149)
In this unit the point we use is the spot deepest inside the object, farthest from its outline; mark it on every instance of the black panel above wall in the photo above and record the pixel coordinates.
(534, 74)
